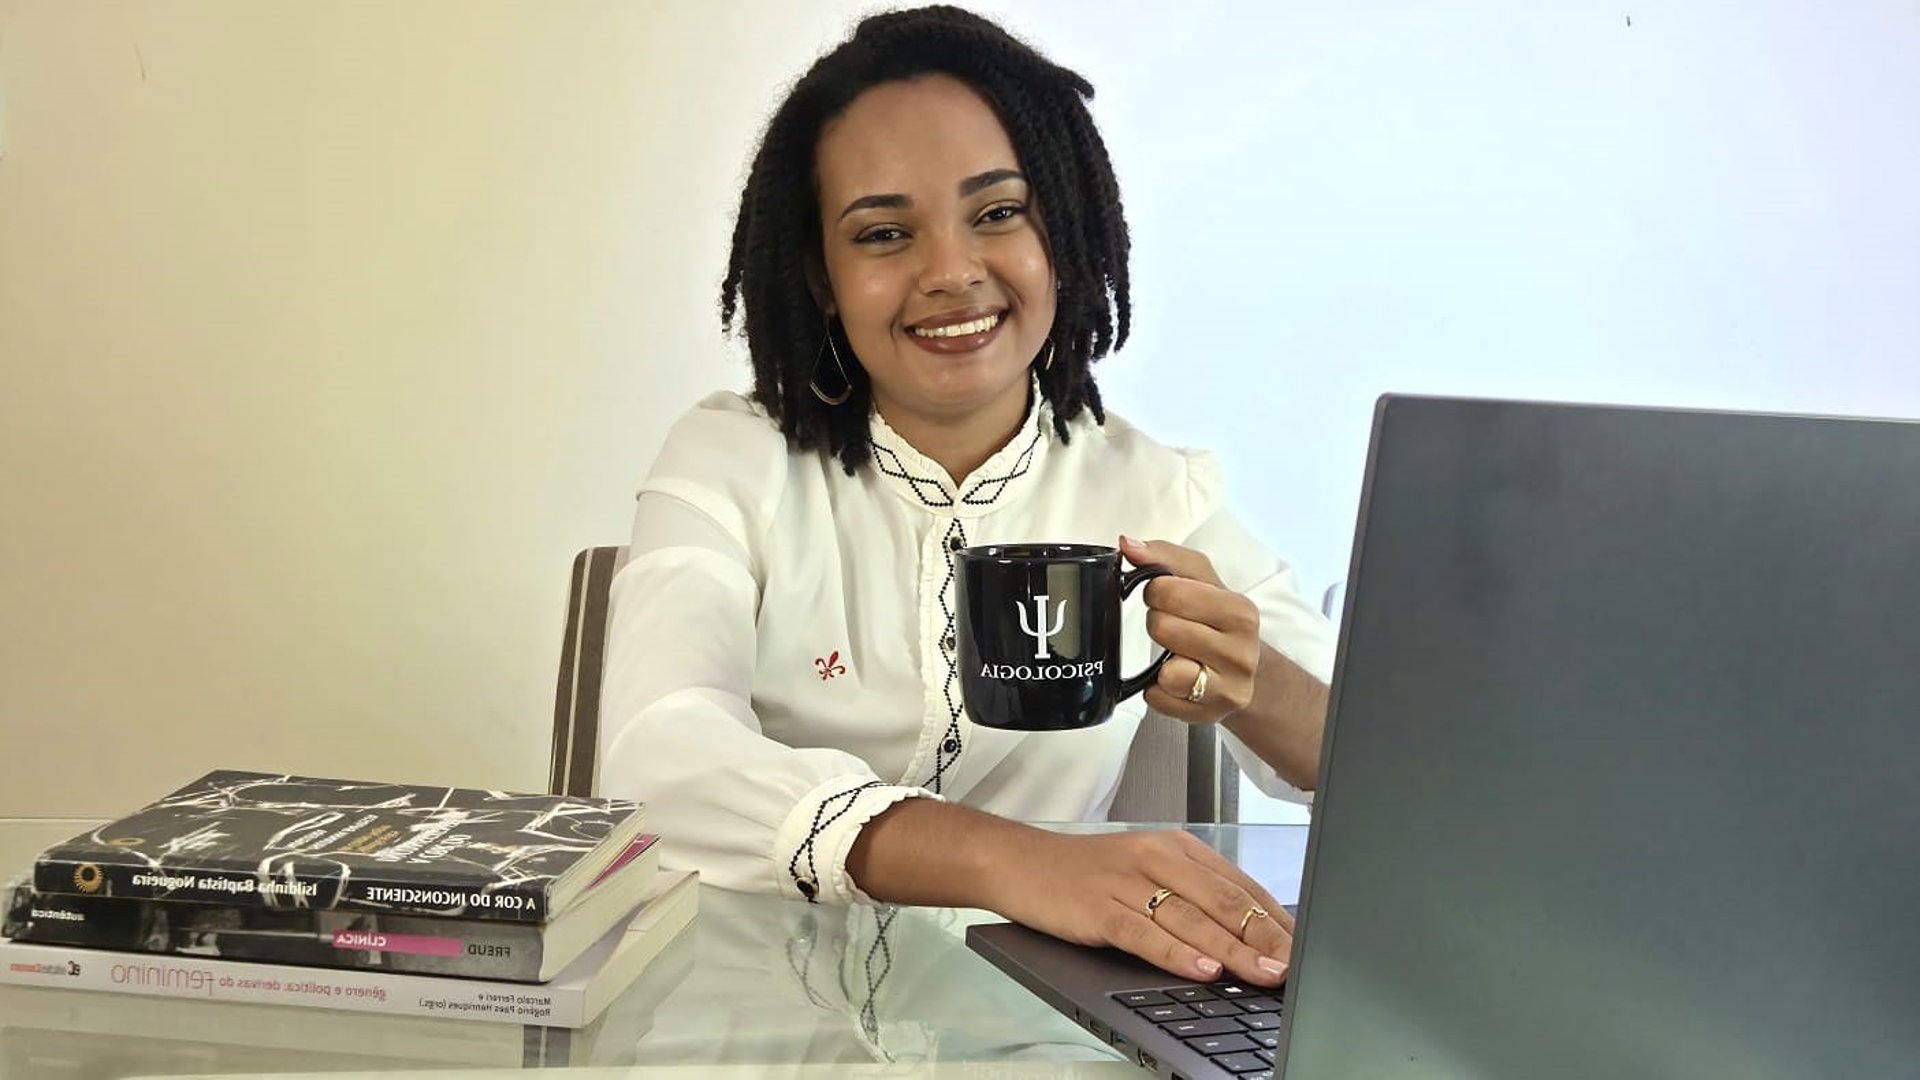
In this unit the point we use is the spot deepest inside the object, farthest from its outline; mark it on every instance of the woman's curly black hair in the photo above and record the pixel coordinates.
(777, 234)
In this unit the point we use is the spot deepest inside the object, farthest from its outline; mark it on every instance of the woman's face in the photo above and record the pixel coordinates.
(934, 258)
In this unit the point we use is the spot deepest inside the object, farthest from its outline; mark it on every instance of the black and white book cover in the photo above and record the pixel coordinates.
(572, 999)
(274, 841)
(308, 937)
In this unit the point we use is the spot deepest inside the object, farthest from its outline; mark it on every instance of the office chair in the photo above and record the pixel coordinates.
(1175, 772)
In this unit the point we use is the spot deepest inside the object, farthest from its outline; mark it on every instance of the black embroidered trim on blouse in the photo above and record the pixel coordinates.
(810, 937)
(809, 885)
(976, 495)
(889, 462)
(984, 491)
(869, 1014)
(947, 753)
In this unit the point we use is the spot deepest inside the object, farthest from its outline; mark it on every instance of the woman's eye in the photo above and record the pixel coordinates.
(879, 234)
(1003, 212)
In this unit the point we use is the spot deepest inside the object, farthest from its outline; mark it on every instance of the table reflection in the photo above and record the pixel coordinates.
(757, 981)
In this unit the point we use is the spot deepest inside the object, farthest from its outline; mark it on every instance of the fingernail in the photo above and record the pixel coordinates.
(1272, 967)
(1208, 967)
(1126, 541)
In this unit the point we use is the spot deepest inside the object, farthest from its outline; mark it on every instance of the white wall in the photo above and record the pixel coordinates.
(1712, 206)
(328, 332)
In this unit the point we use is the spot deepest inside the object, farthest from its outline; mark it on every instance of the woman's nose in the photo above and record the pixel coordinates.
(952, 262)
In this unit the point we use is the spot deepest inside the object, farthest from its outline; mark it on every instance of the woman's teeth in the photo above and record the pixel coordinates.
(977, 326)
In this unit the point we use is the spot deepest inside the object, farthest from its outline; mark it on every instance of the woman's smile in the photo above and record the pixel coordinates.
(962, 331)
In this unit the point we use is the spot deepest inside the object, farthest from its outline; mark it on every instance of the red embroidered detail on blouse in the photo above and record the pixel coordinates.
(830, 666)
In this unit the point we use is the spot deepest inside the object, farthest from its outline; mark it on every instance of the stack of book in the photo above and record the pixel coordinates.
(375, 897)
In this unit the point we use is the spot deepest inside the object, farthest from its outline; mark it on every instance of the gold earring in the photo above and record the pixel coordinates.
(1049, 360)
(813, 383)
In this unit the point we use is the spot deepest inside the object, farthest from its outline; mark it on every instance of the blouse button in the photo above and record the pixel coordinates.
(951, 746)
(947, 643)
(807, 888)
(953, 543)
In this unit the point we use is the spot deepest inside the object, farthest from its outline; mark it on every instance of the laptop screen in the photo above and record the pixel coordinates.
(1623, 765)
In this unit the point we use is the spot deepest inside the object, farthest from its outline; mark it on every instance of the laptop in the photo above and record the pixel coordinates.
(1621, 775)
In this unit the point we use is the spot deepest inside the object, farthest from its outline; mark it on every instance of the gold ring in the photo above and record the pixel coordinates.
(1199, 686)
(1154, 901)
(1254, 912)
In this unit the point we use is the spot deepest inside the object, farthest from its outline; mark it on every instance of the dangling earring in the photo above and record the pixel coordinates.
(1049, 360)
(814, 382)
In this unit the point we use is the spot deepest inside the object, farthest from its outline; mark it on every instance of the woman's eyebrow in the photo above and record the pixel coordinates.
(967, 187)
(987, 179)
(877, 202)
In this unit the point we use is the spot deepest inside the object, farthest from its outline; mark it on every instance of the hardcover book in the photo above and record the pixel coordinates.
(572, 1000)
(335, 938)
(290, 842)
(89, 1034)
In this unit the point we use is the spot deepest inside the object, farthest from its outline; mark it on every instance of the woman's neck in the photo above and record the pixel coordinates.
(964, 443)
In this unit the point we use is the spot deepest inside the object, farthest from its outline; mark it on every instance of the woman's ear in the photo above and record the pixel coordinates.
(819, 287)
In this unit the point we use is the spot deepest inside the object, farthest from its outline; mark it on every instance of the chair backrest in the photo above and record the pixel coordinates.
(1175, 771)
(583, 653)
(1330, 603)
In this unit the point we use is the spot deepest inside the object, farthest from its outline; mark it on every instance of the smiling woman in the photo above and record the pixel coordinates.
(931, 135)
(943, 285)
(929, 257)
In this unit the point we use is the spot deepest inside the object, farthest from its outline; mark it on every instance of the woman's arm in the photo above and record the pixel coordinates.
(1284, 722)
(1274, 705)
(679, 733)
(1089, 889)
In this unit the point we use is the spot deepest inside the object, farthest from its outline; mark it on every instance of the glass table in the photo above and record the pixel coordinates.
(762, 984)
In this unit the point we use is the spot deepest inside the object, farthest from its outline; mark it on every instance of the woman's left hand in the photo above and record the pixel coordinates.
(1203, 623)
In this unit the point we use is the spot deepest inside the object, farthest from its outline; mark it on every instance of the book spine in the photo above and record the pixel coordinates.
(515, 902)
(466, 948)
(75, 968)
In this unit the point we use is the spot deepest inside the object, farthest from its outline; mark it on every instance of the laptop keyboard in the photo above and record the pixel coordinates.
(1237, 1027)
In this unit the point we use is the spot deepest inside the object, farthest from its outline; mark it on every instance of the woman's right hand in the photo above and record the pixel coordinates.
(1095, 890)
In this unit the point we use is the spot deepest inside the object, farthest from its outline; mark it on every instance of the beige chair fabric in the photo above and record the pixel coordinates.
(1174, 772)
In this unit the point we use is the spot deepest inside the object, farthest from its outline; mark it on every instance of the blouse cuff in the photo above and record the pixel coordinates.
(813, 843)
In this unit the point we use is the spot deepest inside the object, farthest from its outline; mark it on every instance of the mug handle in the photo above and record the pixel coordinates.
(1130, 581)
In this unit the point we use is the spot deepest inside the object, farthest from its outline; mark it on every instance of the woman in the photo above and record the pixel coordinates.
(929, 256)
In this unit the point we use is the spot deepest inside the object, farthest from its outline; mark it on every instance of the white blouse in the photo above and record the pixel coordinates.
(780, 660)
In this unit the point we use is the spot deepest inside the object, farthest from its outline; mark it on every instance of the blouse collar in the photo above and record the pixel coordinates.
(998, 481)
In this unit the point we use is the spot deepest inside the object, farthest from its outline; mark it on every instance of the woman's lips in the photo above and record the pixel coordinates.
(962, 343)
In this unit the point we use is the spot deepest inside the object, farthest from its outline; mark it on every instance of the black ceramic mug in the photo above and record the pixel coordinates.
(1039, 634)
